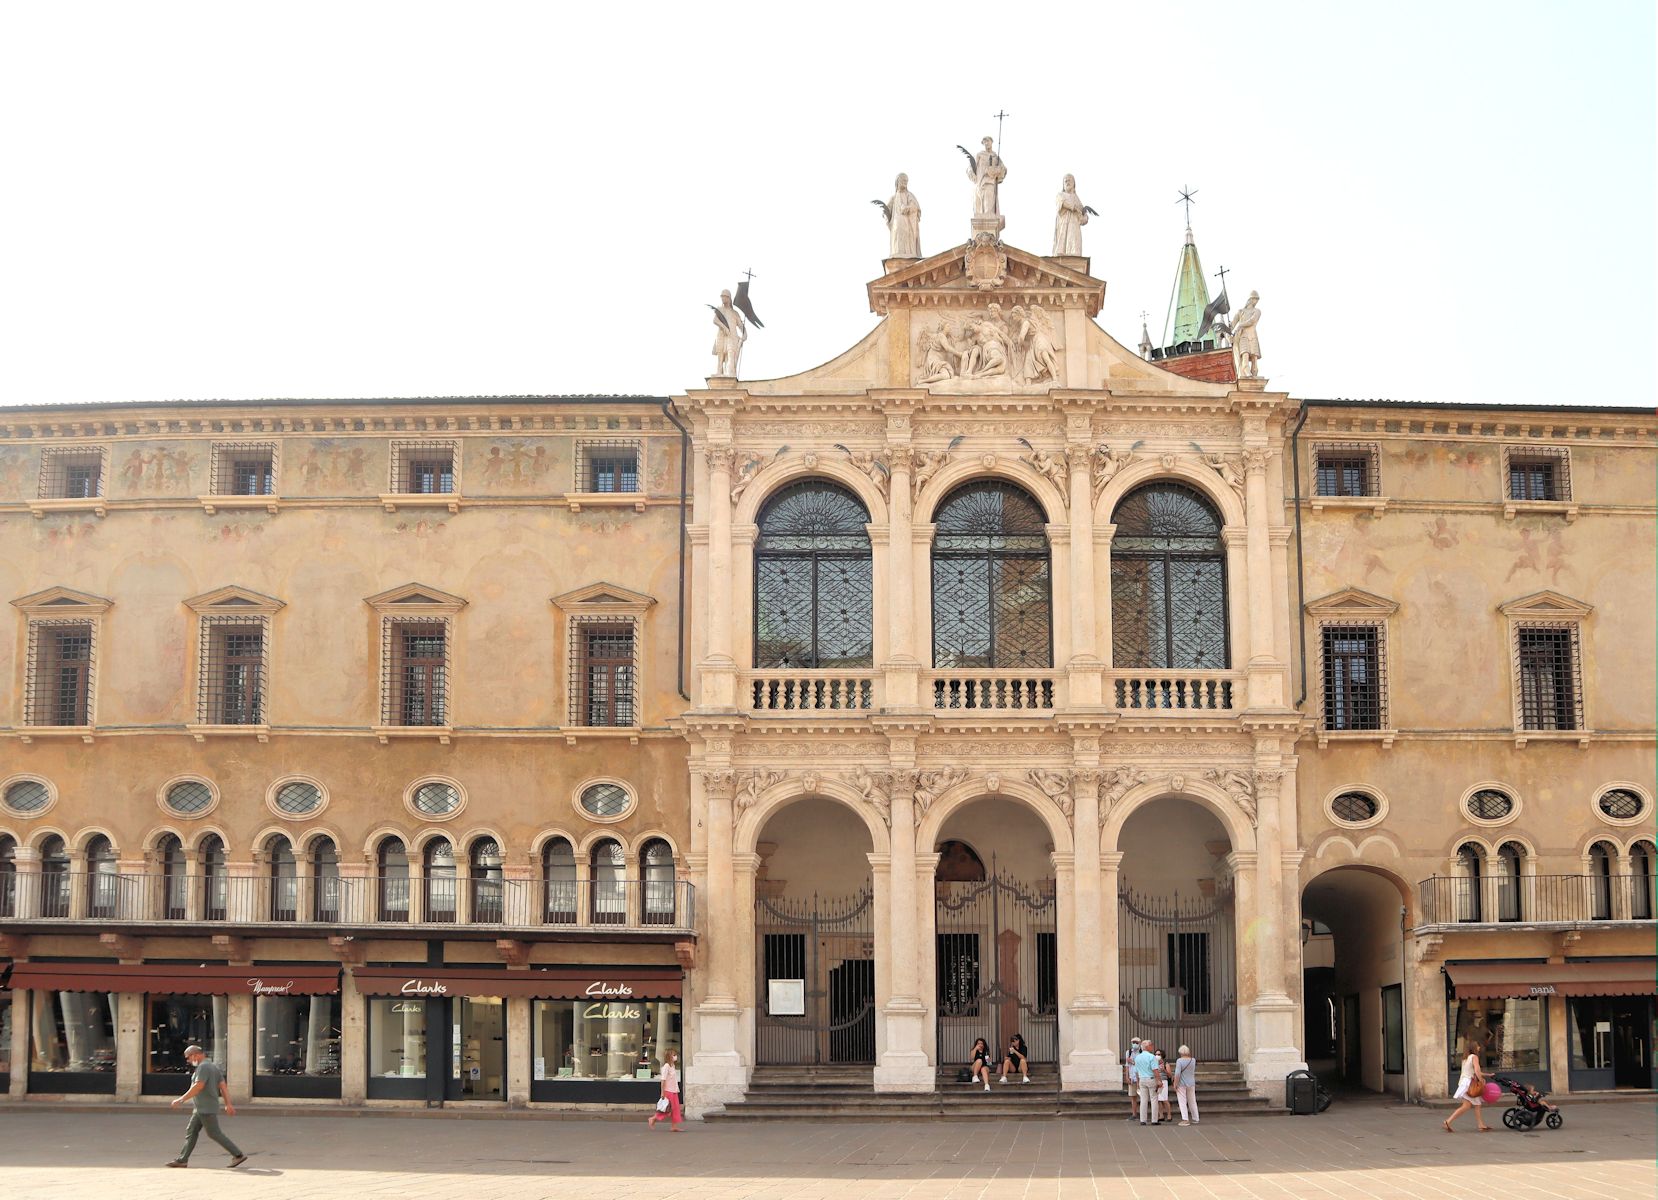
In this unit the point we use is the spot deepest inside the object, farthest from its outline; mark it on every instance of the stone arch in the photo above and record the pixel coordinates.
(1348, 848)
(1635, 839)
(152, 840)
(428, 834)
(774, 477)
(538, 844)
(260, 843)
(1467, 837)
(1041, 807)
(1005, 467)
(193, 844)
(1586, 842)
(306, 842)
(83, 839)
(37, 838)
(1198, 476)
(752, 821)
(1240, 828)
(371, 843)
(656, 835)
(604, 833)
(1407, 895)
(463, 842)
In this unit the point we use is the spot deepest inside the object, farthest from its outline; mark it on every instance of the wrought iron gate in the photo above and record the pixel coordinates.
(997, 967)
(816, 965)
(1177, 960)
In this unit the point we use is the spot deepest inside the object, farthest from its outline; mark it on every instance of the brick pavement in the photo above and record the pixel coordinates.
(1358, 1150)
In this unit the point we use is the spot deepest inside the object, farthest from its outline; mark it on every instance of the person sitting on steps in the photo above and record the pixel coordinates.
(1018, 1055)
(979, 1068)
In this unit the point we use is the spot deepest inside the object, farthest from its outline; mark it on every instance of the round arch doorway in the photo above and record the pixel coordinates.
(1352, 947)
(814, 951)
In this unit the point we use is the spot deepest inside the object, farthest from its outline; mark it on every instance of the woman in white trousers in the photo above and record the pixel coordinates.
(1185, 1085)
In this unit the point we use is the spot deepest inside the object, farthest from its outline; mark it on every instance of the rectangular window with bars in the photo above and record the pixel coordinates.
(233, 671)
(608, 466)
(425, 468)
(605, 670)
(1352, 677)
(244, 469)
(1538, 472)
(67, 474)
(1549, 691)
(60, 674)
(1347, 469)
(417, 691)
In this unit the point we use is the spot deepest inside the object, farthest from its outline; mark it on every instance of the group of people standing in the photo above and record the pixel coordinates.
(1147, 1076)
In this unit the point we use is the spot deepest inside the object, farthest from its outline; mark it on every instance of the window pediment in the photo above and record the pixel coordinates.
(604, 598)
(1352, 602)
(1546, 604)
(234, 599)
(61, 601)
(415, 599)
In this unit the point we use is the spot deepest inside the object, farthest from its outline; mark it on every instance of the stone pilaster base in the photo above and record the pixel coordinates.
(717, 1075)
(1274, 1054)
(904, 1066)
(1092, 1064)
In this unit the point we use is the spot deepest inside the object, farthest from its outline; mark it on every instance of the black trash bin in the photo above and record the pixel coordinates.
(1301, 1093)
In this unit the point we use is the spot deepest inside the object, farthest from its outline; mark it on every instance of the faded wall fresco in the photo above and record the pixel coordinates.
(521, 466)
(335, 466)
(143, 469)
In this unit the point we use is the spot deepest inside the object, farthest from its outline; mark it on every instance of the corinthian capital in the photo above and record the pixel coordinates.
(716, 784)
(720, 458)
(1255, 461)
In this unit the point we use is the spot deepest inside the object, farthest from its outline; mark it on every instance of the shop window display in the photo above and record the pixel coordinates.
(595, 1039)
(396, 1038)
(5, 1036)
(73, 1033)
(1510, 1034)
(180, 1021)
(296, 1035)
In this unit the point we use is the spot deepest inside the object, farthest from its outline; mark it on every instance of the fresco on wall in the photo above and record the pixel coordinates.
(152, 469)
(1538, 552)
(423, 527)
(18, 474)
(514, 464)
(336, 466)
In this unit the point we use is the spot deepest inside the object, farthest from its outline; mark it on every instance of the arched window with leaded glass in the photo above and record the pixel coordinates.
(215, 878)
(325, 880)
(8, 876)
(1168, 581)
(284, 873)
(102, 881)
(440, 879)
(992, 584)
(813, 580)
(609, 866)
(175, 878)
(486, 875)
(54, 877)
(656, 862)
(558, 868)
(392, 860)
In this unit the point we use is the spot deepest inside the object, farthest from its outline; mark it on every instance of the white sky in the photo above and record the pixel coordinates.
(1437, 201)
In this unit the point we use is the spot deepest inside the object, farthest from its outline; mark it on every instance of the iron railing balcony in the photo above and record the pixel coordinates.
(1537, 899)
(105, 897)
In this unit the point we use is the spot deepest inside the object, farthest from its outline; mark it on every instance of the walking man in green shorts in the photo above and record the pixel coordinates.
(207, 1088)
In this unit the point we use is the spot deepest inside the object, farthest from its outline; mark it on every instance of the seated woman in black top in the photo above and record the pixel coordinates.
(1018, 1055)
(979, 1070)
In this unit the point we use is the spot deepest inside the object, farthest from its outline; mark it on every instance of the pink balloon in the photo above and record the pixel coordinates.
(1493, 1092)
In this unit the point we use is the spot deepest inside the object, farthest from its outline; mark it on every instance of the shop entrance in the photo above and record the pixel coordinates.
(1352, 947)
(477, 1048)
(1611, 1042)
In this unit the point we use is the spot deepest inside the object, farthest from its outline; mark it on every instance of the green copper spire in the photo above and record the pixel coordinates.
(1191, 296)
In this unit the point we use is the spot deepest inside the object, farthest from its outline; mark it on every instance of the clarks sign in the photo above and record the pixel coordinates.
(600, 988)
(419, 987)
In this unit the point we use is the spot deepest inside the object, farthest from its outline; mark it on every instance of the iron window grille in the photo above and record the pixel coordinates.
(1489, 804)
(297, 798)
(1538, 472)
(1355, 808)
(414, 685)
(604, 672)
(1621, 804)
(27, 796)
(59, 673)
(992, 587)
(813, 580)
(189, 797)
(605, 800)
(1346, 469)
(436, 798)
(1353, 687)
(244, 469)
(425, 468)
(72, 474)
(233, 669)
(1546, 660)
(1168, 581)
(608, 466)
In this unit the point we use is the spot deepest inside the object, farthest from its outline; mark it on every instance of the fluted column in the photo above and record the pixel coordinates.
(719, 1072)
(718, 669)
(903, 665)
(1265, 680)
(1084, 668)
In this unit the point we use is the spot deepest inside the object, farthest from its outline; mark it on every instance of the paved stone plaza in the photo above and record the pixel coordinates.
(1358, 1150)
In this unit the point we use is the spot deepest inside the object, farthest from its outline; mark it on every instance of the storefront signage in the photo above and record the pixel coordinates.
(600, 988)
(407, 1006)
(419, 987)
(611, 1012)
(1541, 989)
(260, 988)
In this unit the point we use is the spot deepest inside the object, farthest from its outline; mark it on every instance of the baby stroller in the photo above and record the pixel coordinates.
(1529, 1106)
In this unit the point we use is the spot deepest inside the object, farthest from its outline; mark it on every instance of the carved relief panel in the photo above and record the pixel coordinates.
(988, 351)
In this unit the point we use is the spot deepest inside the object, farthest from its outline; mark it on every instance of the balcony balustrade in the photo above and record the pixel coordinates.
(812, 691)
(1173, 691)
(1537, 899)
(104, 898)
(988, 690)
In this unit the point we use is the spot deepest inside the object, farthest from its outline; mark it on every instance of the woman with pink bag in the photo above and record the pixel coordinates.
(668, 1105)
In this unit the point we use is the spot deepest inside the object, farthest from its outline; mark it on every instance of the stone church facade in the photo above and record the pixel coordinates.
(990, 678)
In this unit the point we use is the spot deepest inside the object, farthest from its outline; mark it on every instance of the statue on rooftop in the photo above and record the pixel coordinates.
(903, 213)
(730, 332)
(1245, 341)
(1073, 214)
(987, 170)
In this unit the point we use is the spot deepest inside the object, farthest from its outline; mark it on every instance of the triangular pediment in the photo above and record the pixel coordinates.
(1545, 604)
(1000, 272)
(234, 599)
(416, 598)
(61, 601)
(603, 597)
(1352, 602)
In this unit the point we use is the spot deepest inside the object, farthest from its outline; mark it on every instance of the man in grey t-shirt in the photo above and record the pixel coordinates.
(207, 1088)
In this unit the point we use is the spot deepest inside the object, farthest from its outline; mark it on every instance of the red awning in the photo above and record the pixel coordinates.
(1492, 981)
(213, 979)
(559, 983)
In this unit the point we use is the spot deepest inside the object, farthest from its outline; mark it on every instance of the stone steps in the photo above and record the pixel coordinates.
(839, 1093)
